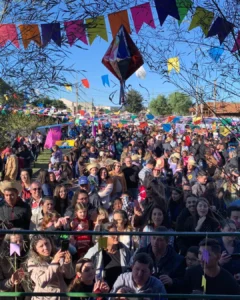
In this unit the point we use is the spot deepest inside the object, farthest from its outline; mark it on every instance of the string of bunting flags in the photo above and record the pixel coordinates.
(87, 30)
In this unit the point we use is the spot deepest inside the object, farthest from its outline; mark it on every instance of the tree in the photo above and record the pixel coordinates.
(159, 106)
(47, 102)
(180, 103)
(134, 101)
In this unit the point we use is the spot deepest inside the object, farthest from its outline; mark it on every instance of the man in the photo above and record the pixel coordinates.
(190, 210)
(233, 213)
(147, 170)
(218, 280)
(140, 280)
(131, 175)
(36, 204)
(168, 265)
(94, 199)
(13, 211)
(200, 187)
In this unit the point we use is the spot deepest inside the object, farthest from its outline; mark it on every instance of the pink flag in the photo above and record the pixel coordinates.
(8, 32)
(142, 14)
(14, 248)
(75, 30)
(237, 43)
(54, 134)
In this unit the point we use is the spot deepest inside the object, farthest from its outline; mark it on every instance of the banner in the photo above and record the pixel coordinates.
(53, 135)
(75, 30)
(8, 32)
(142, 14)
(96, 27)
(202, 18)
(166, 8)
(173, 63)
(117, 19)
(50, 32)
(183, 8)
(221, 27)
(30, 33)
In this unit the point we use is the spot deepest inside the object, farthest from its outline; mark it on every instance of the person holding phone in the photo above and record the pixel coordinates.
(49, 268)
(86, 281)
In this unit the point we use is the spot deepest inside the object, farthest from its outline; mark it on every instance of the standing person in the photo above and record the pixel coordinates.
(131, 175)
(61, 199)
(105, 187)
(43, 178)
(147, 170)
(11, 166)
(13, 211)
(26, 184)
(118, 175)
(49, 268)
(40, 140)
(26, 156)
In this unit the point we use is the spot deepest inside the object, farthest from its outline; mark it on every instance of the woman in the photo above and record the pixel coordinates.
(48, 268)
(43, 178)
(105, 187)
(119, 181)
(230, 249)
(158, 218)
(26, 184)
(113, 257)
(36, 220)
(203, 221)
(52, 180)
(61, 199)
(175, 205)
(12, 279)
(120, 218)
(84, 281)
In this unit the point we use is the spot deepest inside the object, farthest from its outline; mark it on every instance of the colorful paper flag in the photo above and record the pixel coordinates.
(205, 256)
(202, 18)
(117, 19)
(14, 248)
(183, 7)
(51, 31)
(30, 33)
(221, 28)
(215, 53)
(166, 8)
(237, 43)
(85, 83)
(141, 73)
(105, 80)
(8, 32)
(204, 284)
(96, 27)
(142, 14)
(173, 63)
(68, 87)
(76, 30)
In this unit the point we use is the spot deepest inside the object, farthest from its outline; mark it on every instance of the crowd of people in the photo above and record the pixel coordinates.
(122, 180)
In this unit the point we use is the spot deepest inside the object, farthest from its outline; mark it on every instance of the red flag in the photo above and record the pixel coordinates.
(85, 83)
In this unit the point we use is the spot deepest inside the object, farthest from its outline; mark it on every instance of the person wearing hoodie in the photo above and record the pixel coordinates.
(140, 280)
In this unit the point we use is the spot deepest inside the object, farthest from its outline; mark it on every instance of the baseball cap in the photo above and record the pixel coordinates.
(83, 180)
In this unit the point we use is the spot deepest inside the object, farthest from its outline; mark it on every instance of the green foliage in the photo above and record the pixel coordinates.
(6, 89)
(49, 102)
(159, 106)
(12, 124)
(180, 103)
(134, 101)
(175, 103)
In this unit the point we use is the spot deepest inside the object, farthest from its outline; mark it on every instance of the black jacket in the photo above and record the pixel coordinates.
(19, 215)
(131, 176)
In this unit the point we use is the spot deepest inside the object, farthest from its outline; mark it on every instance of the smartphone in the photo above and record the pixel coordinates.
(64, 245)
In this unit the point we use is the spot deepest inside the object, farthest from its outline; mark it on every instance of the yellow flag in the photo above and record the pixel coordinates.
(224, 131)
(68, 87)
(173, 63)
(202, 18)
(96, 27)
(204, 283)
(117, 113)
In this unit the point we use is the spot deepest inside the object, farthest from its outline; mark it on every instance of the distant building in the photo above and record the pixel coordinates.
(69, 104)
(221, 109)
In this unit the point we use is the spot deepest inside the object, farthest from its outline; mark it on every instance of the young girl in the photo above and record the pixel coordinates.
(80, 223)
(50, 219)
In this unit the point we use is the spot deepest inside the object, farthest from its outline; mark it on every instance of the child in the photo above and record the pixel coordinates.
(192, 257)
(93, 178)
(55, 168)
(200, 187)
(81, 223)
(50, 219)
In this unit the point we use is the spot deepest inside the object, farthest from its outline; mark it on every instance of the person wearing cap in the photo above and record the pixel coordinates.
(148, 169)
(13, 211)
(93, 196)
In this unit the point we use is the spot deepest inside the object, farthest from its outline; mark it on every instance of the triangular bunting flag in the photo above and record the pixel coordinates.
(173, 63)
(142, 14)
(85, 83)
(96, 27)
(183, 8)
(75, 30)
(51, 31)
(237, 43)
(166, 8)
(68, 87)
(222, 28)
(202, 18)
(215, 53)
(105, 80)
(30, 33)
(117, 19)
(8, 32)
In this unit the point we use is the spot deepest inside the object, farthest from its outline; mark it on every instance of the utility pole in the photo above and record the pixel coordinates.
(77, 96)
(215, 95)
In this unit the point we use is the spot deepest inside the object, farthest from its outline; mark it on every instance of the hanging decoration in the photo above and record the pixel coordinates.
(117, 19)
(8, 32)
(50, 32)
(215, 53)
(202, 18)
(173, 63)
(142, 14)
(105, 80)
(68, 87)
(237, 43)
(122, 59)
(30, 33)
(183, 8)
(166, 8)
(221, 27)
(141, 73)
(85, 83)
(75, 30)
(96, 27)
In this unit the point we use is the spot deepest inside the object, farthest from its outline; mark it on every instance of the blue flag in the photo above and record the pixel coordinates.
(105, 80)
(215, 53)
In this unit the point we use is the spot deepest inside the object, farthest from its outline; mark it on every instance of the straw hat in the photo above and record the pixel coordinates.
(191, 161)
(135, 157)
(175, 154)
(168, 140)
(10, 185)
(92, 165)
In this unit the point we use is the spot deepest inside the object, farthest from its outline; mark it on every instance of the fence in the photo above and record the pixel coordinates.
(115, 295)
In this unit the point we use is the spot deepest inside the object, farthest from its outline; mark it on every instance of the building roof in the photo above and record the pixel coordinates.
(221, 107)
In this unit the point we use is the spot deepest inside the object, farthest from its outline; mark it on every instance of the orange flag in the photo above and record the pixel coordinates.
(118, 19)
(30, 33)
(85, 83)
